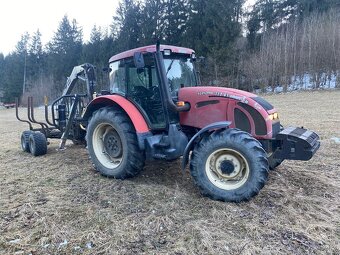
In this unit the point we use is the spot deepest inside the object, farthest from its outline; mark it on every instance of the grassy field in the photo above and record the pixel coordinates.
(58, 204)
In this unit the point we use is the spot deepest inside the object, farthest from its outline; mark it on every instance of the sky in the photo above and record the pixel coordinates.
(20, 16)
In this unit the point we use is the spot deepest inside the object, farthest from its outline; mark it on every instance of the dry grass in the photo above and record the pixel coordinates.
(57, 203)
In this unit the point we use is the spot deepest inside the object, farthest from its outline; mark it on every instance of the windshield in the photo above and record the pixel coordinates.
(180, 73)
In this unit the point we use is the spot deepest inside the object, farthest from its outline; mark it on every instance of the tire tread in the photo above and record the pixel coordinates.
(39, 147)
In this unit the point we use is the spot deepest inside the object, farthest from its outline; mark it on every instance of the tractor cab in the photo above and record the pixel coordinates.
(137, 75)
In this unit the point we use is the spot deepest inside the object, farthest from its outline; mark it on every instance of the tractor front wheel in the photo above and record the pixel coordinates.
(229, 165)
(112, 144)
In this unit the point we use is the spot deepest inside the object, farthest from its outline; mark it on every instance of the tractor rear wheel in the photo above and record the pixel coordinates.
(229, 165)
(112, 144)
(25, 145)
(37, 144)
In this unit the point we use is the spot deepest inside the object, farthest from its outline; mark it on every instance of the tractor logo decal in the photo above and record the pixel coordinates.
(242, 99)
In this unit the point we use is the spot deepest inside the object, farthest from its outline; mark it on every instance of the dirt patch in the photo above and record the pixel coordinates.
(58, 204)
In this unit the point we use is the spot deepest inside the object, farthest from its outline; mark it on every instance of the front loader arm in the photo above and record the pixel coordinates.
(84, 72)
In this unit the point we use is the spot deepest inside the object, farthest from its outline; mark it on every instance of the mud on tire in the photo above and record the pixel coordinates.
(112, 144)
(229, 165)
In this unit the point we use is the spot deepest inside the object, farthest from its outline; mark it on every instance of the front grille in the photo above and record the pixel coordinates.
(312, 137)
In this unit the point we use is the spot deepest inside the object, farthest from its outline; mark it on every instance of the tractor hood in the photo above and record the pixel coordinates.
(244, 110)
(201, 94)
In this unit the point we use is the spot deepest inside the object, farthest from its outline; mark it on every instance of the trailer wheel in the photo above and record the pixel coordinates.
(112, 144)
(25, 145)
(37, 144)
(229, 165)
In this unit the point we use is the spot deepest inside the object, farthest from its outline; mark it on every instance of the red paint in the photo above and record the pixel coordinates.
(200, 117)
(151, 49)
(131, 110)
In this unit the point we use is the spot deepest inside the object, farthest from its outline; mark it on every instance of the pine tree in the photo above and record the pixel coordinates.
(164, 20)
(174, 20)
(22, 45)
(36, 60)
(2, 72)
(126, 25)
(64, 50)
(272, 14)
(15, 68)
(96, 34)
(212, 30)
(153, 21)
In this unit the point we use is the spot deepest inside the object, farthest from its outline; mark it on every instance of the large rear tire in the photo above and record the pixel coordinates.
(37, 144)
(112, 144)
(229, 165)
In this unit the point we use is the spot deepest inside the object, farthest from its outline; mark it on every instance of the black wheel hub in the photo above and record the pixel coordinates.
(113, 145)
(227, 167)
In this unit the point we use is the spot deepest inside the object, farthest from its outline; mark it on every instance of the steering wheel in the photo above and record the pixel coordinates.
(154, 93)
(140, 91)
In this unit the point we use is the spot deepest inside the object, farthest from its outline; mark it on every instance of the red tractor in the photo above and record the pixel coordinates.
(156, 110)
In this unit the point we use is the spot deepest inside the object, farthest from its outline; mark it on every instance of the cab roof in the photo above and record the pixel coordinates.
(151, 49)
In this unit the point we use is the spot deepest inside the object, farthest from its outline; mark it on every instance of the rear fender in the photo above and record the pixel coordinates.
(190, 145)
(113, 100)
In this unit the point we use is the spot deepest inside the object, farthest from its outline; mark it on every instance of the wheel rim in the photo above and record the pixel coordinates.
(23, 142)
(227, 169)
(107, 145)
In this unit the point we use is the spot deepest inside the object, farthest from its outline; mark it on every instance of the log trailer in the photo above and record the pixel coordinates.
(156, 109)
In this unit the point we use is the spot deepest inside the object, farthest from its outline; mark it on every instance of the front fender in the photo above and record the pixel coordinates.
(116, 100)
(188, 148)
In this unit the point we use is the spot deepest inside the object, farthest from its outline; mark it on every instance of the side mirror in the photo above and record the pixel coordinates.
(138, 60)
(107, 69)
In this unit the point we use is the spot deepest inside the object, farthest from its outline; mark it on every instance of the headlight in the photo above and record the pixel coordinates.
(273, 116)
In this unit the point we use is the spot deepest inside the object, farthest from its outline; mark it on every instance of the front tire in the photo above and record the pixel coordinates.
(229, 165)
(112, 144)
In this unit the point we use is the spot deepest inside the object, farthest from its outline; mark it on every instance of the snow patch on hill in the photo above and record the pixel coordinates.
(307, 82)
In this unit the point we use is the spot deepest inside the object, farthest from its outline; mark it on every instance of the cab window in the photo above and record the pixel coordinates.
(118, 78)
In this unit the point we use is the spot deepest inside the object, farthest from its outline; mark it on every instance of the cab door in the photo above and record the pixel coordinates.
(141, 87)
